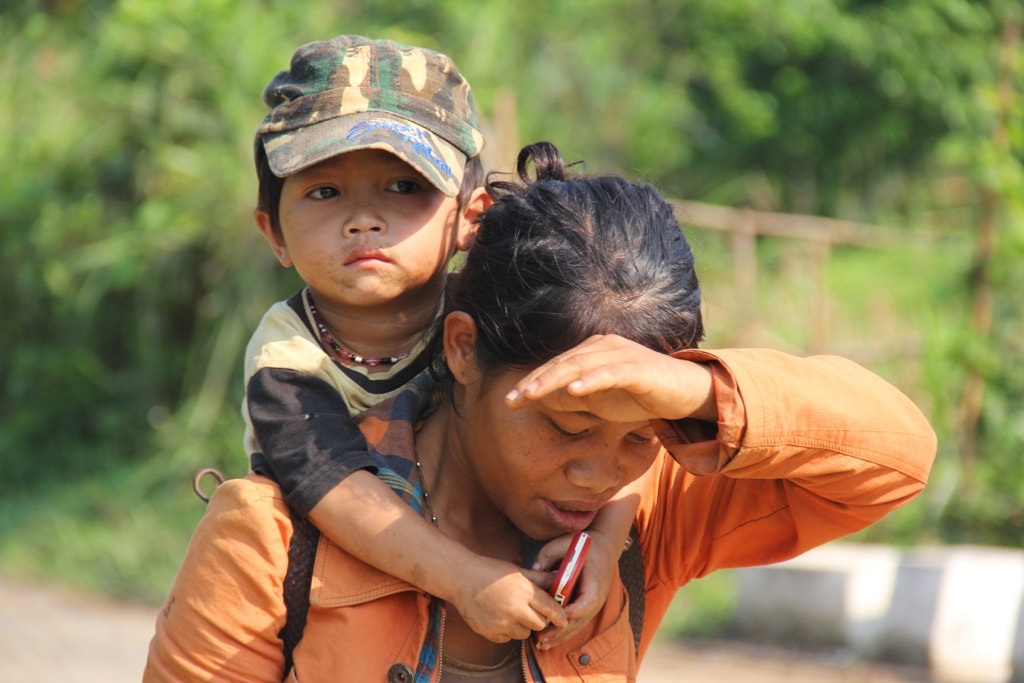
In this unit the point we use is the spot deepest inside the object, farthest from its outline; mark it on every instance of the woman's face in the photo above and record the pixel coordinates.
(547, 471)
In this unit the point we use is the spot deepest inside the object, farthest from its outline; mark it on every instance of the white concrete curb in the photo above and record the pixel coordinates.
(958, 610)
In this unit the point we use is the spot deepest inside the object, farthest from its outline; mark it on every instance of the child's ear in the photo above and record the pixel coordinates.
(460, 347)
(276, 241)
(478, 202)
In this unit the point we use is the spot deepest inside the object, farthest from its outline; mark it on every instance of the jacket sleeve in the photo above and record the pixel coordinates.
(806, 450)
(221, 618)
(308, 440)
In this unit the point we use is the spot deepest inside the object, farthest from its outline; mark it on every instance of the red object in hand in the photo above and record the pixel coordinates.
(570, 568)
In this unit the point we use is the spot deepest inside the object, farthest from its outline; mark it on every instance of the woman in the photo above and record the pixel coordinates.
(571, 372)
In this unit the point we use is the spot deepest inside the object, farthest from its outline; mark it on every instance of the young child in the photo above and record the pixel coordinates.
(370, 180)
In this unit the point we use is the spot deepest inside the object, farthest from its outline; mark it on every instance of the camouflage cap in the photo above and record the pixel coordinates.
(352, 93)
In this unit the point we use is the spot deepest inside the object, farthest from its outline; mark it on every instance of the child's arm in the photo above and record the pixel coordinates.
(609, 533)
(364, 517)
(318, 456)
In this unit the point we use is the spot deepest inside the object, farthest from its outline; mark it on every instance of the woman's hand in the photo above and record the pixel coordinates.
(592, 590)
(621, 381)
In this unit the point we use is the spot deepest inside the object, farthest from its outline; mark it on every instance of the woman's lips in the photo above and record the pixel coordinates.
(570, 517)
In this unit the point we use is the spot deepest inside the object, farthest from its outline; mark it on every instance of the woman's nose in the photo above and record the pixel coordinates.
(595, 474)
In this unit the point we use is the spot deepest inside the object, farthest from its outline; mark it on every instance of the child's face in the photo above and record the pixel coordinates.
(365, 229)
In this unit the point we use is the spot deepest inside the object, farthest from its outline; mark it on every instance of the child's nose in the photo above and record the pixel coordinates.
(365, 217)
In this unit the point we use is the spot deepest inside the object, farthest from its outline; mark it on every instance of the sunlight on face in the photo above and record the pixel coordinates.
(549, 471)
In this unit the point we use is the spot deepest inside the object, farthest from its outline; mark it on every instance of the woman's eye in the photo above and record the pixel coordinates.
(566, 434)
(323, 193)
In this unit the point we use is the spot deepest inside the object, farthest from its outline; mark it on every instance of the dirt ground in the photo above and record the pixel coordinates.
(734, 662)
(53, 635)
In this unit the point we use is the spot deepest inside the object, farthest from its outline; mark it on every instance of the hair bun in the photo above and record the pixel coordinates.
(547, 163)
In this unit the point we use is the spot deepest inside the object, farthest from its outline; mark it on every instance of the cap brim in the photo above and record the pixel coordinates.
(291, 151)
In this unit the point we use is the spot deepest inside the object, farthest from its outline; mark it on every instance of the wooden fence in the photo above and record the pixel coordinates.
(745, 226)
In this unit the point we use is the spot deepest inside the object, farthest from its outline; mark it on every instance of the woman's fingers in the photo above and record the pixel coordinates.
(617, 380)
(549, 555)
(595, 364)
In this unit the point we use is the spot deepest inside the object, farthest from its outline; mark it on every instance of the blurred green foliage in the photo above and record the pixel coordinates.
(134, 274)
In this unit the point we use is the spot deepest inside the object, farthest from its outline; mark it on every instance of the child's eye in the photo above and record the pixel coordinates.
(323, 193)
(404, 186)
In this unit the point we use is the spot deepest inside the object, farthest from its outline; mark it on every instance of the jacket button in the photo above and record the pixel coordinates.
(399, 673)
(584, 660)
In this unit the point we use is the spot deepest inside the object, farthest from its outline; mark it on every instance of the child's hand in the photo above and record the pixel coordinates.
(593, 587)
(503, 602)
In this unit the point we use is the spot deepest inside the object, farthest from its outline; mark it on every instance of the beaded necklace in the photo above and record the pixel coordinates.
(329, 339)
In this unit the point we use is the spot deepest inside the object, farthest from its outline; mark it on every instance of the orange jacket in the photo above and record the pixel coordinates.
(806, 451)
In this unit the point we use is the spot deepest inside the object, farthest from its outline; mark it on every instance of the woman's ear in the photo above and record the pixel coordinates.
(469, 219)
(276, 241)
(460, 347)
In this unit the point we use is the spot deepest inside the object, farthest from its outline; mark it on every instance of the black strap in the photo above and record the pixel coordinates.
(298, 580)
(631, 571)
(297, 583)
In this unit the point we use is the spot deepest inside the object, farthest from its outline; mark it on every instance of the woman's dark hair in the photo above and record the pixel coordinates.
(561, 257)
(268, 196)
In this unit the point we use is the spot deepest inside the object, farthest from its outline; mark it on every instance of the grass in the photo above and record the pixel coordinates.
(109, 534)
